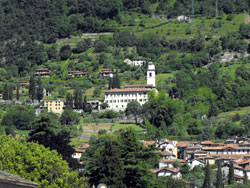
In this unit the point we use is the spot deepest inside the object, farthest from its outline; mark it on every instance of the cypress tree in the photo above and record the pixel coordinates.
(10, 97)
(17, 92)
(207, 180)
(39, 89)
(6, 92)
(231, 173)
(245, 177)
(219, 183)
(110, 83)
(84, 105)
(118, 84)
(76, 99)
(69, 101)
(80, 99)
(32, 88)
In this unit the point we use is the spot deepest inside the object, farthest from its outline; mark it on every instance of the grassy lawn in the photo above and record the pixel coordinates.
(229, 115)
(108, 126)
(232, 68)
(77, 141)
(178, 29)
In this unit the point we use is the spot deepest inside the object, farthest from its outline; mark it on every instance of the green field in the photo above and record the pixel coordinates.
(229, 115)
(178, 29)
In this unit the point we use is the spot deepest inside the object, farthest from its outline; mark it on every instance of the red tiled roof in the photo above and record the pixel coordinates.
(174, 169)
(182, 144)
(238, 177)
(193, 147)
(148, 143)
(172, 161)
(243, 162)
(207, 142)
(213, 148)
(138, 85)
(247, 168)
(127, 90)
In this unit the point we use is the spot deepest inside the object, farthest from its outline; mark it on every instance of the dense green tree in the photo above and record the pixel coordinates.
(10, 92)
(19, 117)
(132, 163)
(37, 163)
(219, 180)
(207, 178)
(48, 133)
(81, 46)
(106, 165)
(39, 89)
(231, 174)
(65, 52)
(6, 92)
(134, 109)
(69, 101)
(17, 92)
(97, 92)
(84, 105)
(245, 120)
(52, 52)
(32, 88)
(69, 117)
(162, 110)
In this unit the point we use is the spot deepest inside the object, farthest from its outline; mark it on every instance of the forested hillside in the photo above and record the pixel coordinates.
(190, 57)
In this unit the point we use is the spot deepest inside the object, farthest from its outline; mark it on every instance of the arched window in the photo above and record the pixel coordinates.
(150, 74)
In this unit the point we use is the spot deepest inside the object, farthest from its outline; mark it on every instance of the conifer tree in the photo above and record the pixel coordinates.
(69, 101)
(231, 174)
(10, 97)
(76, 99)
(39, 89)
(207, 180)
(110, 83)
(80, 99)
(17, 92)
(32, 88)
(219, 183)
(245, 177)
(6, 92)
(84, 105)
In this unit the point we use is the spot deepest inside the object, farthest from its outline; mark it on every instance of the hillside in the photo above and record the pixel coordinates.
(203, 61)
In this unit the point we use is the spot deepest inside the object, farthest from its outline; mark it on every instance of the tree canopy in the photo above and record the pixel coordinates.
(37, 163)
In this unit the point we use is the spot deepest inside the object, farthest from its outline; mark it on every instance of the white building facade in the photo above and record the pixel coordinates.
(117, 99)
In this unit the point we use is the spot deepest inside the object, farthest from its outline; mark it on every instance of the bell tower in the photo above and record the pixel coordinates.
(151, 74)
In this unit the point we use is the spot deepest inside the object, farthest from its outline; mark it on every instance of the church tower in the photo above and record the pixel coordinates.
(151, 74)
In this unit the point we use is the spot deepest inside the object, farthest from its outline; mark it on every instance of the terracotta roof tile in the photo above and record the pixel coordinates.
(127, 90)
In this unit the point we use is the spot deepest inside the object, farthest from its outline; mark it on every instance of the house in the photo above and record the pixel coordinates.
(239, 171)
(167, 155)
(169, 147)
(74, 74)
(137, 62)
(107, 72)
(166, 172)
(196, 162)
(55, 106)
(79, 151)
(23, 83)
(117, 99)
(247, 170)
(8, 180)
(43, 72)
(169, 163)
(95, 104)
(183, 18)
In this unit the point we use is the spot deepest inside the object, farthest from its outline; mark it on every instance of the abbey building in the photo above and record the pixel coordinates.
(117, 99)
